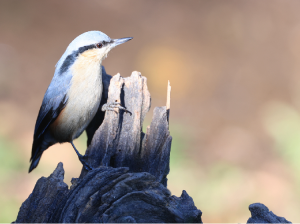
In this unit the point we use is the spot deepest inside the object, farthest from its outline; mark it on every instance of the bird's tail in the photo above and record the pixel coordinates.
(38, 147)
(34, 162)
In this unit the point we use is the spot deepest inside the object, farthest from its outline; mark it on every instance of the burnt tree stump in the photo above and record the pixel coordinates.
(129, 179)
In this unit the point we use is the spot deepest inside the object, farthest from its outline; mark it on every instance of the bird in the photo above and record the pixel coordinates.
(74, 94)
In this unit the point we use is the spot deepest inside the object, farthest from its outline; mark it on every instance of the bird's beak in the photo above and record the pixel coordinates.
(116, 42)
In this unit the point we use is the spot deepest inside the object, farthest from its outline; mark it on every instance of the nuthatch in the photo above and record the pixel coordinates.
(74, 94)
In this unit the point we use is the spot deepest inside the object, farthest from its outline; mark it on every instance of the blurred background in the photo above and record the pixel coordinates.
(234, 68)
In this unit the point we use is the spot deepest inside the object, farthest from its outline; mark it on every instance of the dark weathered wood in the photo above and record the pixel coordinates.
(119, 142)
(46, 197)
(261, 214)
(129, 179)
(106, 194)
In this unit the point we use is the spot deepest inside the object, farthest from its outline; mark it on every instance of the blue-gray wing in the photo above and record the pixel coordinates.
(54, 101)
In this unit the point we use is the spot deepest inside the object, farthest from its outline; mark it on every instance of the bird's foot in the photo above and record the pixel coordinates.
(84, 163)
(112, 105)
(82, 158)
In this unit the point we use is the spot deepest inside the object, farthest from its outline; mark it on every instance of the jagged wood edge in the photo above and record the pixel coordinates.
(119, 141)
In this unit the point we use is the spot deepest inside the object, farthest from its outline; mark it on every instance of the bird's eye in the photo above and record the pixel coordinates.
(99, 45)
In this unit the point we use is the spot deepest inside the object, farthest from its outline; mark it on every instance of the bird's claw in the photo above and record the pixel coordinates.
(112, 105)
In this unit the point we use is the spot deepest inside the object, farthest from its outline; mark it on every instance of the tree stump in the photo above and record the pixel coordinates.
(129, 179)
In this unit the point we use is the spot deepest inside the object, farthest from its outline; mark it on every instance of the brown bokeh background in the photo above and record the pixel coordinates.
(234, 68)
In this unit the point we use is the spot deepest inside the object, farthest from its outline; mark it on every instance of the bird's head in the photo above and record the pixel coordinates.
(90, 46)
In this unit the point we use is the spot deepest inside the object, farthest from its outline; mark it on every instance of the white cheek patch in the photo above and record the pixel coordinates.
(103, 52)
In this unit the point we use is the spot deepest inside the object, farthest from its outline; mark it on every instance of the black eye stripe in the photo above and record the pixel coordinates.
(85, 48)
(104, 43)
(70, 59)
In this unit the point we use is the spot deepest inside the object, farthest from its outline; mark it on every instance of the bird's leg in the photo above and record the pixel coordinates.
(112, 105)
(81, 158)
